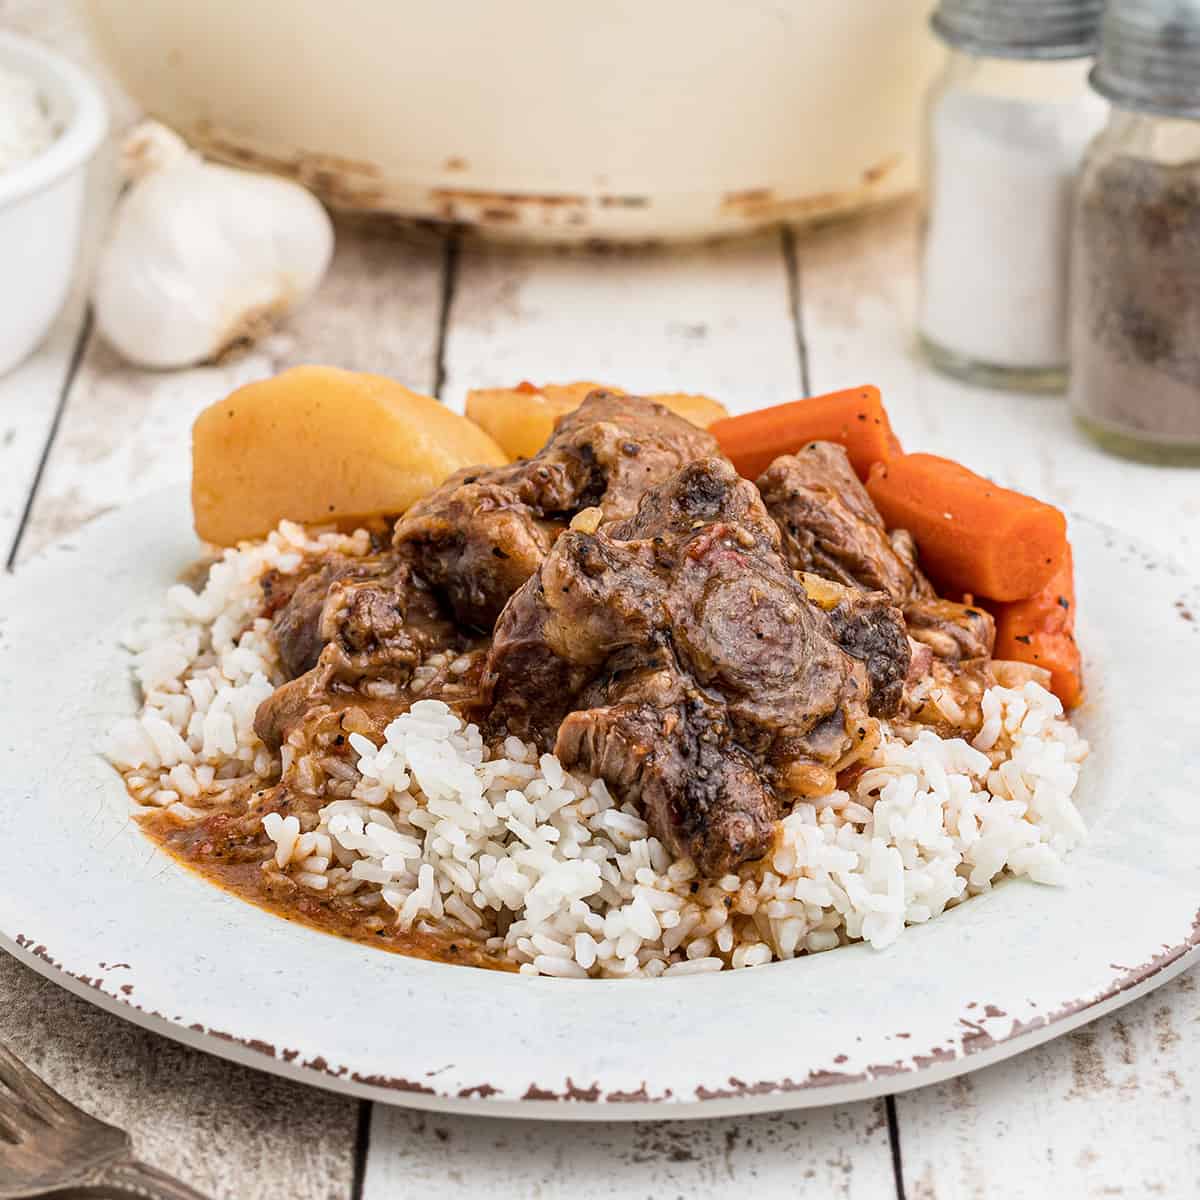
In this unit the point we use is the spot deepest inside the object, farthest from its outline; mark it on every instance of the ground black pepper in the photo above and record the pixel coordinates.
(1135, 337)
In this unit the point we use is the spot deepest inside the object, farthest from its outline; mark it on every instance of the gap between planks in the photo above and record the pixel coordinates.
(119, 434)
(1108, 1109)
(792, 260)
(510, 319)
(75, 358)
(726, 320)
(449, 279)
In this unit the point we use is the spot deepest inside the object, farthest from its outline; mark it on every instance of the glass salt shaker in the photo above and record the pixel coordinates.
(1005, 129)
(1135, 263)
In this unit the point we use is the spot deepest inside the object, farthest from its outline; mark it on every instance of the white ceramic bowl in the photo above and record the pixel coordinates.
(41, 200)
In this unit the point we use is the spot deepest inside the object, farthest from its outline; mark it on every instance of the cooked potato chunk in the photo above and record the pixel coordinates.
(521, 418)
(317, 444)
(700, 410)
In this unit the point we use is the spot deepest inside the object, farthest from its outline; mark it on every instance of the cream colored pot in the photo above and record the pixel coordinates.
(629, 120)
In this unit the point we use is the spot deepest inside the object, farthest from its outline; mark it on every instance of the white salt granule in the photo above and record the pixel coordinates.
(1001, 176)
(26, 127)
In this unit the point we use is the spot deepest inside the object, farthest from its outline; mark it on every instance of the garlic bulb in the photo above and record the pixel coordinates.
(201, 256)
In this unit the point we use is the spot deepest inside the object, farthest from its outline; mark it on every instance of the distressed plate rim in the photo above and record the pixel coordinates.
(132, 931)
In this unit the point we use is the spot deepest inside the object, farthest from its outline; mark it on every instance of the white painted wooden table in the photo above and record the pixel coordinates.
(1111, 1110)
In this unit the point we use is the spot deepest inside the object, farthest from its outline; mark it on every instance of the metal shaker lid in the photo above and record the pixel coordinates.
(1149, 57)
(1020, 28)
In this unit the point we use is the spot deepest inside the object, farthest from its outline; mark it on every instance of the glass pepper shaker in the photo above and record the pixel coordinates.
(1006, 127)
(1135, 321)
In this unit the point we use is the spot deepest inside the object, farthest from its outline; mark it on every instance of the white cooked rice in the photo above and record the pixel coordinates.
(546, 868)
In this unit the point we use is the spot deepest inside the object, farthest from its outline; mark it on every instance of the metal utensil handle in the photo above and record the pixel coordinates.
(138, 1180)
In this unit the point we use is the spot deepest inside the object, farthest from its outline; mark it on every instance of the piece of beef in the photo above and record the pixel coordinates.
(537, 683)
(295, 603)
(319, 703)
(290, 704)
(678, 640)
(831, 527)
(666, 745)
(345, 622)
(373, 609)
(952, 665)
(476, 539)
(868, 626)
(385, 626)
(479, 536)
(954, 632)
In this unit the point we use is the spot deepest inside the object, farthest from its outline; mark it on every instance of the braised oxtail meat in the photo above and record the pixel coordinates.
(457, 556)
(954, 632)
(476, 540)
(676, 655)
(951, 666)
(291, 704)
(869, 627)
(374, 611)
(831, 528)
(665, 744)
(345, 623)
(294, 602)
(479, 536)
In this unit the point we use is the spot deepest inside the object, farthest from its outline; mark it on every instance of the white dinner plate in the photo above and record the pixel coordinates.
(89, 901)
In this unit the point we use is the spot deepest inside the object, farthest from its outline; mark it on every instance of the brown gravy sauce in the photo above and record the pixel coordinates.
(234, 862)
(192, 847)
(222, 849)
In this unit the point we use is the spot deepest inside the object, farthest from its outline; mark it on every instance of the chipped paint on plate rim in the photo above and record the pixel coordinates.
(130, 929)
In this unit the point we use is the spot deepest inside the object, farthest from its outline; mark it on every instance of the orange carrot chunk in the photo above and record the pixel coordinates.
(973, 536)
(855, 418)
(1041, 630)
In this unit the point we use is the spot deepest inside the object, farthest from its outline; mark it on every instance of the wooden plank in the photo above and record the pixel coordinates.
(859, 290)
(1108, 1110)
(29, 400)
(31, 394)
(126, 432)
(230, 1131)
(713, 319)
(823, 1153)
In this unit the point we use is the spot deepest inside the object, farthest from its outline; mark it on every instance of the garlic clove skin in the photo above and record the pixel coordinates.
(202, 256)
